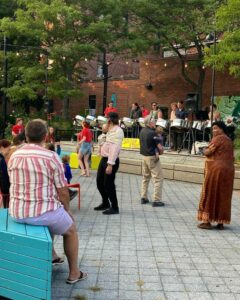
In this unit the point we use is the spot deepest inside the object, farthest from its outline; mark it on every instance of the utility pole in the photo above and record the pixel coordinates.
(213, 80)
(105, 80)
(5, 85)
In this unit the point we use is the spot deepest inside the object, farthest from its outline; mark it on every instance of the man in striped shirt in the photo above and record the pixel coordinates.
(39, 193)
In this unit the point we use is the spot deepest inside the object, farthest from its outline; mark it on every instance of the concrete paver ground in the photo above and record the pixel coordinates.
(147, 253)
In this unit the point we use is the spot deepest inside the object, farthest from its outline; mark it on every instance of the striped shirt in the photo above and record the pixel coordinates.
(34, 173)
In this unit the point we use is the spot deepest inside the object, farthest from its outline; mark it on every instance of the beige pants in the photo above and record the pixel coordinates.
(151, 168)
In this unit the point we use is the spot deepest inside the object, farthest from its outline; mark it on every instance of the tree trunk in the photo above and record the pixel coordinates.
(66, 99)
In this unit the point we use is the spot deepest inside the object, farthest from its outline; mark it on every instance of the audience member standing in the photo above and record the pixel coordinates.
(18, 127)
(85, 149)
(67, 168)
(109, 165)
(109, 108)
(50, 137)
(151, 167)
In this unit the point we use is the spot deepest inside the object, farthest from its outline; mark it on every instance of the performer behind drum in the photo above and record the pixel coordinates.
(216, 114)
(154, 111)
(173, 112)
(182, 114)
(145, 112)
(134, 115)
(109, 108)
(172, 117)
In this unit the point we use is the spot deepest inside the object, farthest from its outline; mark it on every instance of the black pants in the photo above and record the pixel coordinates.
(177, 140)
(105, 183)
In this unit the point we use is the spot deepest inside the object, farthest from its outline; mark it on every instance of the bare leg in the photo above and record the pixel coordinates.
(70, 241)
(80, 156)
(86, 158)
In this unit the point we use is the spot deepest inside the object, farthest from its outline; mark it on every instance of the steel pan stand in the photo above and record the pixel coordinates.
(189, 137)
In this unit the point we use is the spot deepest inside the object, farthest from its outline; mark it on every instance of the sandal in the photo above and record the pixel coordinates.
(82, 276)
(205, 226)
(57, 261)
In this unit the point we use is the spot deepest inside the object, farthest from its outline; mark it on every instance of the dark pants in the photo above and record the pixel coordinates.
(177, 140)
(5, 200)
(105, 183)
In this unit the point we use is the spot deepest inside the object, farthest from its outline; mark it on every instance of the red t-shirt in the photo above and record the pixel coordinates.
(108, 110)
(17, 129)
(87, 133)
(145, 112)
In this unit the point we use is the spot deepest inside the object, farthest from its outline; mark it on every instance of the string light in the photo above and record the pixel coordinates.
(165, 64)
(85, 59)
(17, 54)
(126, 62)
(203, 67)
(146, 63)
(186, 65)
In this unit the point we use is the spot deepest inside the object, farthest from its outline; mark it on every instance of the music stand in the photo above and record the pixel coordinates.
(189, 136)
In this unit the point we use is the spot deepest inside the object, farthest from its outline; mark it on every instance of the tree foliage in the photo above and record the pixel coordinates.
(63, 33)
(178, 25)
(227, 56)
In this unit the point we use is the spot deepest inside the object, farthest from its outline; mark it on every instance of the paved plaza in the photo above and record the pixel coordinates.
(147, 253)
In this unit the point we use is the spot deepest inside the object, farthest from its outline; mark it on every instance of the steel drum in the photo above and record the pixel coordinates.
(91, 120)
(101, 120)
(162, 123)
(78, 120)
(208, 125)
(141, 122)
(128, 122)
(179, 124)
(197, 125)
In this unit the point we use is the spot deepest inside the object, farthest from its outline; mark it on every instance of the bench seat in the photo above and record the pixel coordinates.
(25, 260)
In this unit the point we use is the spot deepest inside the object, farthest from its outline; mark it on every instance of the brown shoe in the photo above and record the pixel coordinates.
(205, 226)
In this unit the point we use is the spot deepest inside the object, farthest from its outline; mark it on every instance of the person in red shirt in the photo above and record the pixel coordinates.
(85, 149)
(109, 108)
(145, 112)
(18, 127)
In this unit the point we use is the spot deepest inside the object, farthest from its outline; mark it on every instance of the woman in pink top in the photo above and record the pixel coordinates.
(85, 149)
(108, 166)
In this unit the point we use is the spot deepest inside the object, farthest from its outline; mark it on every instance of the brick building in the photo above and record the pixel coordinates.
(129, 82)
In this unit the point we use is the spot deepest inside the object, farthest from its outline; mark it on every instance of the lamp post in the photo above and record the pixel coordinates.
(5, 84)
(105, 80)
(213, 80)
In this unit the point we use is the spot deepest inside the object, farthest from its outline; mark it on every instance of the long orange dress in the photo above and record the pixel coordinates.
(216, 197)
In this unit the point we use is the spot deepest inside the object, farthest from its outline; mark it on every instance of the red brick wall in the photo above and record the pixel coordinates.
(168, 86)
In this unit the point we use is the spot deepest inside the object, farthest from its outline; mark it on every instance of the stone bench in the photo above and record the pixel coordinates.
(25, 260)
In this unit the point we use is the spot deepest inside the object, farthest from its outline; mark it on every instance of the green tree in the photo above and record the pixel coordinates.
(178, 25)
(62, 33)
(227, 56)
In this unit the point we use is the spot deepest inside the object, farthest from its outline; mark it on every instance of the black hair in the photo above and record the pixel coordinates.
(228, 130)
(113, 117)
